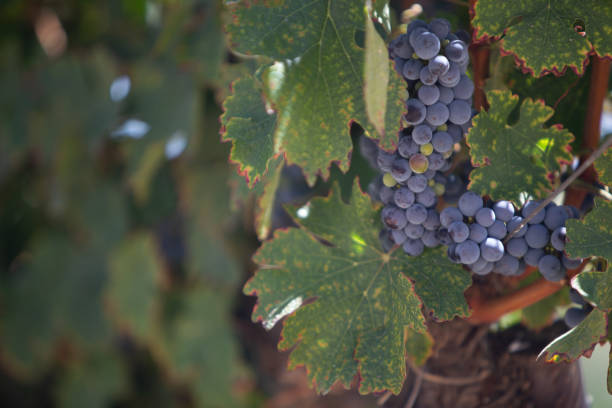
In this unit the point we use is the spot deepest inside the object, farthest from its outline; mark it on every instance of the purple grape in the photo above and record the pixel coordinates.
(555, 217)
(569, 263)
(507, 265)
(465, 88)
(468, 252)
(428, 94)
(427, 77)
(385, 160)
(504, 210)
(398, 236)
(414, 231)
(412, 69)
(416, 111)
(551, 269)
(426, 45)
(446, 94)
(514, 223)
(460, 112)
(478, 233)
(517, 247)
(456, 50)
(422, 134)
(442, 142)
(413, 247)
(432, 222)
(416, 213)
(485, 217)
(529, 207)
(400, 170)
(417, 183)
(403, 197)
(492, 249)
(459, 231)
(430, 239)
(574, 316)
(437, 114)
(450, 215)
(406, 148)
(393, 217)
(469, 203)
(436, 161)
(451, 77)
(427, 197)
(497, 230)
(537, 236)
(440, 27)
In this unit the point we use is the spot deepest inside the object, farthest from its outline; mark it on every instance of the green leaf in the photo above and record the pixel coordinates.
(196, 345)
(264, 209)
(603, 164)
(250, 128)
(514, 159)
(596, 286)
(59, 287)
(93, 382)
(578, 340)
(379, 89)
(322, 89)
(541, 33)
(132, 288)
(591, 236)
(362, 296)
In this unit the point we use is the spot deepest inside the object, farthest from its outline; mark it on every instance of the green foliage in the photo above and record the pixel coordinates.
(354, 283)
(604, 168)
(579, 340)
(543, 35)
(517, 158)
(250, 128)
(321, 91)
(596, 287)
(591, 236)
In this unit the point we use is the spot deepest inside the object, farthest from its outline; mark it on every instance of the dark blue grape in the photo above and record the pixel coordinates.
(421, 134)
(485, 217)
(558, 238)
(469, 203)
(468, 252)
(550, 267)
(459, 231)
(446, 94)
(497, 230)
(478, 233)
(570, 263)
(460, 112)
(555, 217)
(403, 197)
(574, 316)
(406, 148)
(427, 197)
(442, 142)
(415, 111)
(394, 217)
(450, 215)
(432, 222)
(440, 27)
(504, 210)
(417, 183)
(416, 213)
(537, 236)
(428, 94)
(456, 50)
(576, 297)
(430, 240)
(413, 247)
(412, 69)
(444, 237)
(492, 249)
(507, 265)
(427, 77)
(517, 247)
(426, 45)
(436, 161)
(400, 170)
(414, 231)
(398, 236)
(465, 88)
(437, 114)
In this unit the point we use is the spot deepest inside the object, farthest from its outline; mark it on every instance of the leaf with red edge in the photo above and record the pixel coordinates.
(578, 340)
(512, 159)
(547, 36)
(321, 91)
(250, 127)
(359, 300)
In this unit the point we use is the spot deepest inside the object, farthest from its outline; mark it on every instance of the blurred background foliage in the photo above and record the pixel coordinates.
(120, 262)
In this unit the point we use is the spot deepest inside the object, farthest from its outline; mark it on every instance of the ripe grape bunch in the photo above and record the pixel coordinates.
(438, 112)
(477, 236)
(433, 61)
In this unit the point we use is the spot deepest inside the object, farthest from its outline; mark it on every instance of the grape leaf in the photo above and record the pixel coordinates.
(322, 89)
(249, 127)
(541, 34)
(513, 159)
(591, 236)
(196, 345)
(596, 287)
(92, 382)
(578, 340)
(363, 300)
(132, 288)
(384, 90)
(603, 164)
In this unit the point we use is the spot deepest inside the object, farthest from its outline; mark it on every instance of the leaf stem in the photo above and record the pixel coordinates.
(583, 167)
(584, 186)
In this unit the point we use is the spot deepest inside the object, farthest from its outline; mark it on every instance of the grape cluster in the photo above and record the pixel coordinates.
(475, 233)
(433, 61)
(575, 315)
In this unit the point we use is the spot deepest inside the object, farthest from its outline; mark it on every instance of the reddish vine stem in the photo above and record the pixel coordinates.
(583, 167)
(598, 87)
(489, 311)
